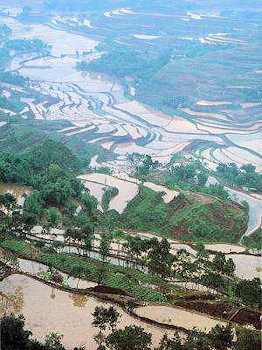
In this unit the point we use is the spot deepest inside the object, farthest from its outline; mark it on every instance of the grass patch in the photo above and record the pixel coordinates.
(187, 217)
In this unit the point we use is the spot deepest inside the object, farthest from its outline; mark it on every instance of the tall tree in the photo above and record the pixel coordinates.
(129, 338)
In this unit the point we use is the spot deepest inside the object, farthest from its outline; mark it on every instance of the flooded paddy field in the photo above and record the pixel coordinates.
(183, 106)
(105, 114)
(178, 317)
(24, 295)
(127, 188)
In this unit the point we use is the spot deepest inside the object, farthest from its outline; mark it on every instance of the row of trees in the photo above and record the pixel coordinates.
(27, 46)
(155, 257)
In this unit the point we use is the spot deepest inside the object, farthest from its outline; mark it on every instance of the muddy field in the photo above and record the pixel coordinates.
(239, 315)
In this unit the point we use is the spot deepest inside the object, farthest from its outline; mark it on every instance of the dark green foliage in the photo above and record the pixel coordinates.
(247, 339)
(53, 341)
(215, 281)
(33, 204)
(50, 152)
(109, 193)
(49, 167)
(218, 338)
(245, 176)
(122, 61)
(223, 265)
(14, 337)
(254, 241)
(193, 177)
(173, 343)
(221, 337)
(147, 211)
(23, 45)
(7, 200)
(250, 292)
(143, 164)
(217, 190)
(110, 219)
(13, 104)
(129, 338)
(104, 317)
(159, 258)
(13, 78)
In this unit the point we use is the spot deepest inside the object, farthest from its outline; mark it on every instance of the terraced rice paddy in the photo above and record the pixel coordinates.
(127, 188)
(216, 109)
(178, 317)
(96, 104)
(219, 116)
(24, 295)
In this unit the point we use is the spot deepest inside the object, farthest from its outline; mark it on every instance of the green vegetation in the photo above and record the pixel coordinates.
(49, 168)
(109, 193)
(147, 211)
(18, 136)
(189, 216)
(5, 33)
(217, 274)
(143, 164)
(27, 46)
(122, 61)
(186, 175)
(249, 292)
(13, 78)
(166, 73)
(128, 279)
(254, 241)
(15, 337)
(129, 338)
(133, 337)
(212, 220)
(245, 176)
(10, 47)
(193, 177)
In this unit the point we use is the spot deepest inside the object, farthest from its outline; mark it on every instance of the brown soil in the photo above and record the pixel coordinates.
(246, 316)
(203, 198)
(224, 311)
(108, 290)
